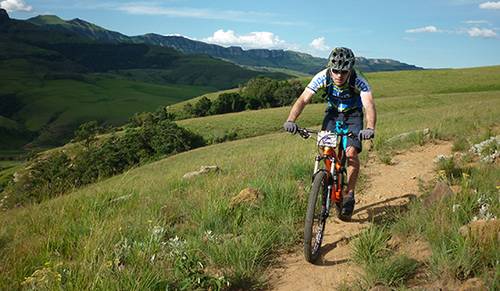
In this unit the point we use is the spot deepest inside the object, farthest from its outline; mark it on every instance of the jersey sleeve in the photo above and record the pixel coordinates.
(361, 84)
(317, 82)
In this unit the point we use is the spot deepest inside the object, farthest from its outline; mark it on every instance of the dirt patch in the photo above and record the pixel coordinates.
(390, 188)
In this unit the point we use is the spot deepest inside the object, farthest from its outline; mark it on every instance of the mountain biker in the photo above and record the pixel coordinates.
(347, 93)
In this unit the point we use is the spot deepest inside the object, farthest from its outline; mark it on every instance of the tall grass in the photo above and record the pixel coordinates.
(455, 256)
(151, 229)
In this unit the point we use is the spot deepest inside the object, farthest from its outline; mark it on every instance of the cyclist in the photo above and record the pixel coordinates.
(347, 94)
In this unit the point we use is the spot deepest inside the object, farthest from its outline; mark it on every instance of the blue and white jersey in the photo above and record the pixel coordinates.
(342, 97)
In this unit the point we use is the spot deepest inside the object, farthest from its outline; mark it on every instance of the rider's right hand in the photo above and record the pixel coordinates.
(291, 127)
(367, 133)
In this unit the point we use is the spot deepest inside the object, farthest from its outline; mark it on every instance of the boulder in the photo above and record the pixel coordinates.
(248, 195)
(426, 132)
(484, 232)
(203, 170)
(440, 192)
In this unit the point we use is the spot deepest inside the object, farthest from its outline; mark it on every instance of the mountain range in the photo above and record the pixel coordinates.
(53, 78)
(287, 59)
(56, 74)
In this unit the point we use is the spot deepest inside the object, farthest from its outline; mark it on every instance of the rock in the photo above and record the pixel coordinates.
(203, 170)
(247, 195)
(473, 284)
(483, 232)
(440, 192)
(425, 132)
(394, 242)
(121, 198)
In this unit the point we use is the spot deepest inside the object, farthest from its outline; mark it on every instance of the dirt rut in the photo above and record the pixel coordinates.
(389, 187)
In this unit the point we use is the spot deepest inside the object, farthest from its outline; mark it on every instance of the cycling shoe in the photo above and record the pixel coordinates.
(347, 207)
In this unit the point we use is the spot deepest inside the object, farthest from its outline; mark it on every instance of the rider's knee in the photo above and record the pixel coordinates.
(352, 153)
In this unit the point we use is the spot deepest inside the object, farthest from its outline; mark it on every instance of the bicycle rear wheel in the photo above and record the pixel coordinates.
(316, 217)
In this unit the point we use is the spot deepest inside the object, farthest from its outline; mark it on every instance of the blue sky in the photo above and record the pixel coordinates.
(432, 34)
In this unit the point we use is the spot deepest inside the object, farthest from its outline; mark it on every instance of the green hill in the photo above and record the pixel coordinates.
(151, 229)
(53, 80)
(258, 58)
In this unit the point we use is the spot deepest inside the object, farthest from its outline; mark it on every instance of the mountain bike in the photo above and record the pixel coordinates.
(328, 183)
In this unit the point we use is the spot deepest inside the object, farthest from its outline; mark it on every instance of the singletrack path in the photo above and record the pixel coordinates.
(388, 187)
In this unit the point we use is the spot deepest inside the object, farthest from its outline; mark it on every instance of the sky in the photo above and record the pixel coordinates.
(426, 33)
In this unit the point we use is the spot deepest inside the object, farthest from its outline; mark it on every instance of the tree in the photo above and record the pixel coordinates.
(87, 132)
(202, 107)
(228, 102)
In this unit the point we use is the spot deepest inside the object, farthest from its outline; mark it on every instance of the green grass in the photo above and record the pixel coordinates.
(120, 233)
(113, 100)
(442, 113)
(178, 107)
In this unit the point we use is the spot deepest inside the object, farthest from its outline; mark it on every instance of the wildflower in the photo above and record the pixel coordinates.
(455, 207)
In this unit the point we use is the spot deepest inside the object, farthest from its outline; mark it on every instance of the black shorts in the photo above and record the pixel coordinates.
(354, 121)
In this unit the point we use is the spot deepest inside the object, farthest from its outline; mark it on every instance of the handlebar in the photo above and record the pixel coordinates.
(305, 133)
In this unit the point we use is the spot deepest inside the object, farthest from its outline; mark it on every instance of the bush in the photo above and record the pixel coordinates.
(257, 94)
(87, 132)
(57, 173)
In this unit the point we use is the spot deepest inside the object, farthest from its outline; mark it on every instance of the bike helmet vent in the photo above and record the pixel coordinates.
(341, 58)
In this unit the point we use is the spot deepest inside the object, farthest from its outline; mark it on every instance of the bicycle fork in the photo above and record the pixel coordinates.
(329, 196)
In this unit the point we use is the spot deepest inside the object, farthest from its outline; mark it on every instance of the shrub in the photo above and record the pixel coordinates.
(57, 173)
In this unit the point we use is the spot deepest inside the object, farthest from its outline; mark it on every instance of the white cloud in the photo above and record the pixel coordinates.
(429, 28)
(490, 5)
(481, 32)
(152, 9)
(476, 22)
(260, 39)
(319, 44)
(15, 5)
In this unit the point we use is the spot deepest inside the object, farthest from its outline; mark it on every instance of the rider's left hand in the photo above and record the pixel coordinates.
(367, 133)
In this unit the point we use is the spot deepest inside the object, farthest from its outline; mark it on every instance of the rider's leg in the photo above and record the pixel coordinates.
(352, 168)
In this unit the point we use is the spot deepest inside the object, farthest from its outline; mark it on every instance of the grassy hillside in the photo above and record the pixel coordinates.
(150, 228)
(53, 80)
(438, 109)
(406, 83)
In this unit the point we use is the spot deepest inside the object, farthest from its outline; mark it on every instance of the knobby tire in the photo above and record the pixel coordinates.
(315, 217)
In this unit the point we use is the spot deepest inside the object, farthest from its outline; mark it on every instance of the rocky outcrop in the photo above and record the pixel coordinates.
(203, 170)
(440, 192)
(486, 233)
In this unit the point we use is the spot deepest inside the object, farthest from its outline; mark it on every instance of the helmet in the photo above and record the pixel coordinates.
(341, 58)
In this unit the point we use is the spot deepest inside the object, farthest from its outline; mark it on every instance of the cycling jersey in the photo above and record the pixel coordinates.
(341, 98)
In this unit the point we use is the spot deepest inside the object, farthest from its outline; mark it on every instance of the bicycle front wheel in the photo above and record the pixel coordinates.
(316, 217)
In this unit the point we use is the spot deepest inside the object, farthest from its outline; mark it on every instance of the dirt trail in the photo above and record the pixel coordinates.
(388, 187)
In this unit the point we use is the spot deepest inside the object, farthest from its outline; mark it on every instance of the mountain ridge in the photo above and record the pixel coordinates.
(274, 58)
(56, 76)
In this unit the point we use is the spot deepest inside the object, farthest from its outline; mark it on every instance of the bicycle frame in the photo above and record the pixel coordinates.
(328, 180)
(335, 158)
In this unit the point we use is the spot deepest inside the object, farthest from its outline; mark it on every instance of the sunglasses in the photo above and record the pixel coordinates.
(339, 72)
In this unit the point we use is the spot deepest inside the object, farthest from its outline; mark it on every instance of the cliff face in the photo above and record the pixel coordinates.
(285, 59)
